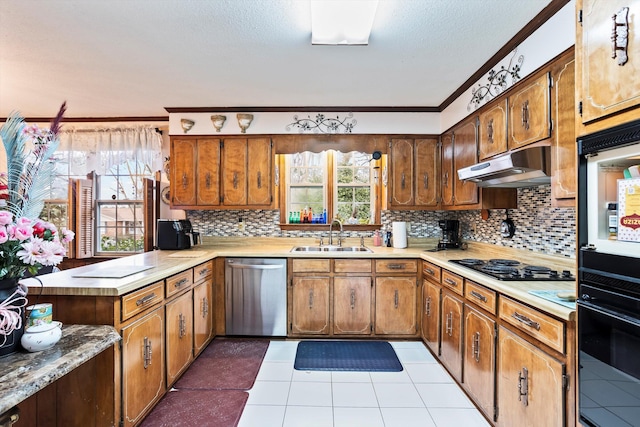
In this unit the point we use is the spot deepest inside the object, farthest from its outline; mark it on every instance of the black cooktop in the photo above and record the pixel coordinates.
(509, 269)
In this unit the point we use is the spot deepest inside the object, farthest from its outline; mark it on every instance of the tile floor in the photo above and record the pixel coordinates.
(422, 395)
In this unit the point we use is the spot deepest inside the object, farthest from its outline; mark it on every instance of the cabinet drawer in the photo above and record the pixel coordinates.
(315, 265)
(179, 281)
(203, 271)
(431, 272)
(396, 266)
(352, 266)
(453, 282)
(140, 300)
(480, 296)
(539, 325)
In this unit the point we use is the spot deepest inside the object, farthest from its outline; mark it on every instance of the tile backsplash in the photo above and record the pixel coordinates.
(539, 227)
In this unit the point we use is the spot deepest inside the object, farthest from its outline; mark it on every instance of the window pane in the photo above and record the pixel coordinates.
(345, 175)
(361, 176)
(108, 187)
(362, 194)
(345, 194)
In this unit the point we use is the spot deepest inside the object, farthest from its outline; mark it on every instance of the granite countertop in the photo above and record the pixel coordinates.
(157, 265)
(23, 374)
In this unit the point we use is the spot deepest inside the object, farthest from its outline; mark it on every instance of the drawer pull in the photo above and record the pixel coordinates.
(396, 266)
(395, 299)
(235, 180)
(402, 181)
(259, 179)
(425, 180)
(204, 272)
(146, 352)
(180, 282)
(479, 296)
(450, 282)
(525, 114)
(524, 319)
(208, 180)
(145, 299)
(475, 346)
(449, 324)
(184, 181)
(490, 131)
(430, 271)
(353, 299)
(205, 307)
(427, 306)
(523, 386)
(310, 298)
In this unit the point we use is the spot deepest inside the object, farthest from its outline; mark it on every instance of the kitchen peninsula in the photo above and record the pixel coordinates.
(172, 302)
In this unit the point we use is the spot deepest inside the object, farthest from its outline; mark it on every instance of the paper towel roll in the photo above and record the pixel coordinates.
(399, 234)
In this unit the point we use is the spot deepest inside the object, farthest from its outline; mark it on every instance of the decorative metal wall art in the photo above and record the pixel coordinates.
(620, 35)
(218, 121)
(498, 82)
(323, 124)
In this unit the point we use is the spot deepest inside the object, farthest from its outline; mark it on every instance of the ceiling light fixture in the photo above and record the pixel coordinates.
(342, 22)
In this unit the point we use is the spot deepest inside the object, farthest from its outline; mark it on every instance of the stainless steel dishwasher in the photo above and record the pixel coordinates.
(256, 296)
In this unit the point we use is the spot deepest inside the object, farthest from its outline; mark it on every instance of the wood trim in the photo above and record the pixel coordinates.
(97, 119)
(293, 109)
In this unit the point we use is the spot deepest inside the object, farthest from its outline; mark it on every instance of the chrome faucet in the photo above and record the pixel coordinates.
(331, 232)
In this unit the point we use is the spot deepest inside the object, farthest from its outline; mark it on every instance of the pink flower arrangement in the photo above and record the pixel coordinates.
(28, 245)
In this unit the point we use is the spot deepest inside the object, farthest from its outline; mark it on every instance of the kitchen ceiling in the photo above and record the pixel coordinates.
(133, 58)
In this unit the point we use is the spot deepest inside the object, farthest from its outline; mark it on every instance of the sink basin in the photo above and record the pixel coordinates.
(331, 249)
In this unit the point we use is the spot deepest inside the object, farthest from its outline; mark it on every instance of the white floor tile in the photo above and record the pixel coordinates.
(391, 377)
(354, 395)
(357, 417)
(427, 373)
(312, 376)
(407, 417)
(275, 371)
(443, 396)
(262, 416)
(398, 396)
(269, 393)
(308, 416)
(350, 377)
(407, 344)
(415, 355)
(281, 351)
(310, 394)
(447, 417)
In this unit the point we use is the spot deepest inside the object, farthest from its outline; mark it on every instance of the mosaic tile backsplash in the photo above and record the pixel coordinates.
(539, 227)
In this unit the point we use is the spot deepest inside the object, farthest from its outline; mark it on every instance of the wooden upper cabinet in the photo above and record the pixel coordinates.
(259, 171)
(234, 172)
(529, 113)
(465, 153)
(608, 80)
(492, 130)
(427, 184)
(447, 172)
(402, 172)
(247, 166)
(208, 172)
(183, 172)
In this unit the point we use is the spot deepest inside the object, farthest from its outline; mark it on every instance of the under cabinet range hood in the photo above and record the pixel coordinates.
(528, 167)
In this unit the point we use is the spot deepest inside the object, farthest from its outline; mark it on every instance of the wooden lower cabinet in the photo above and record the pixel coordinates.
(395, 308)
(143, 366)
(310, 305)
(451, 333)
(479, 362)
(530, 390)
(179, 336)
(352, 305)
(202, 315)
(431, 295)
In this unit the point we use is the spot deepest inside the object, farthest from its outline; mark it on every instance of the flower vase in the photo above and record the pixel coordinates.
(12, 315)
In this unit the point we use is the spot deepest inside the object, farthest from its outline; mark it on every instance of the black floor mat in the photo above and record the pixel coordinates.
(375, 356)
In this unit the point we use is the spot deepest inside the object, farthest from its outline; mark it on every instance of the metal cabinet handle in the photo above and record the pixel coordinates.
(145, 299)
(402, 180)
(395, 299)
(205, 307)
(620, 35)
(449, 324)
(207, 180)
(180, 282)
(445, 182)
(526, 320)
(450, 282)
(182, 325)
(353, 299)
(475, 346)
(147, 351)
(490, 131)
(525, 114)
(184, 180)
(430, 271)
(235, 180)
(204, 272)
(427, 306)
(396, 266)
(259, 179)
(425, 180)
(479, 296)
(310, 298)
(523, 386)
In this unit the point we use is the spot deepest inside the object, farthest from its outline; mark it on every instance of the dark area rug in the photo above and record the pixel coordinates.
(226, 364)
(188, 408)
(375, 356)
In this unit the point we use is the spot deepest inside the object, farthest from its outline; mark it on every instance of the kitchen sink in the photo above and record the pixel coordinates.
(331, 249)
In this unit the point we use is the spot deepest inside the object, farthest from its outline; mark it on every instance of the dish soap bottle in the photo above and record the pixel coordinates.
(377, 240)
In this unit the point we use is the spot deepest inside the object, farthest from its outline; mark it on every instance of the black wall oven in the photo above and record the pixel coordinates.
(608, 282)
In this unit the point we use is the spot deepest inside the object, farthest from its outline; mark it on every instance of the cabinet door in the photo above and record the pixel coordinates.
(401, 193)
(492, 131)
(480, 359)
(427, 156)
(208, 175)
(431, 315)
(310, 305)
(395, 305)
(564, 152)
(465, 149)
(143, 366)
(352, 305)
(530, 384)
(609, 80)
(448, 175)
(183, 172)
(234, 173)
(179, 336)
(259, 170)
(451, 344)
(202, 315)
(529, 113)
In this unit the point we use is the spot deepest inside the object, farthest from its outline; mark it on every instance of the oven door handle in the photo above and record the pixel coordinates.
(609, 313)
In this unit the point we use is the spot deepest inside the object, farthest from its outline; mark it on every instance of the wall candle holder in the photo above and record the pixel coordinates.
(218, 121)
(244, 120)
(186, 124)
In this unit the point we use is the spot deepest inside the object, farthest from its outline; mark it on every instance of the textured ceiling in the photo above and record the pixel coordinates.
(132, 58)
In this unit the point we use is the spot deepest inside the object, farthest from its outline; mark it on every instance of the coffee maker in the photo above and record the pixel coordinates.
(450, 234)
